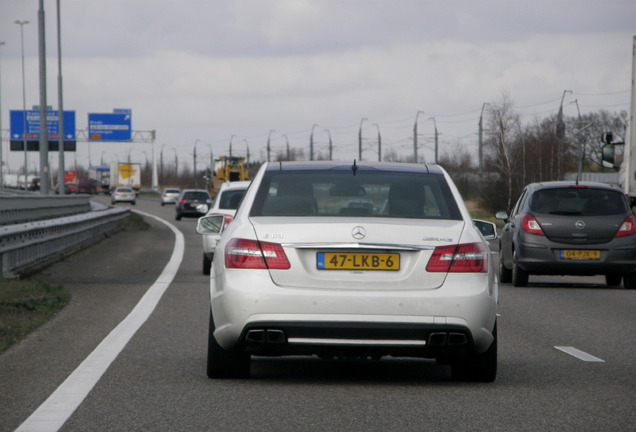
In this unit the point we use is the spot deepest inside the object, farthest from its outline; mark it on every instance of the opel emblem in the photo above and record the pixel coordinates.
(579, 224)
(358, 233)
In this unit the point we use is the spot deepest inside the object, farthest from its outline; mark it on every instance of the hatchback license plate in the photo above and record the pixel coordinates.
(580, 254)
(357, 261)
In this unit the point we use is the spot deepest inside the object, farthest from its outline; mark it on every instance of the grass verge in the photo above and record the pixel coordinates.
(26, 304)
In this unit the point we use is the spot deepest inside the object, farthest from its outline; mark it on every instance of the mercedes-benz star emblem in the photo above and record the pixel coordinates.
(358, 233)
(579, 224)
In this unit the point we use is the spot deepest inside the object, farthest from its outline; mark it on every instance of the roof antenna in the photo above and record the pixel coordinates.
(354, 167)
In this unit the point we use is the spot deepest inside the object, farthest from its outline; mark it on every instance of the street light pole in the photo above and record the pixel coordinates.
(60, 109)
(379, 143)
(481, 139)
(360, 139)
(1, 159)
(311, 143)
(24, 140)
(287, 147)
(269, 149)
(330, 145)
(44, 130)
(415, 157)
(560, 132)
(436, 138)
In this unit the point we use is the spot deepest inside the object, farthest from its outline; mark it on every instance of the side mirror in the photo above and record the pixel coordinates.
(487, 229)
(213, 224)
(502, 215)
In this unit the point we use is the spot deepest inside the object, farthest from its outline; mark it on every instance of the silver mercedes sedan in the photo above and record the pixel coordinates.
(354, 259)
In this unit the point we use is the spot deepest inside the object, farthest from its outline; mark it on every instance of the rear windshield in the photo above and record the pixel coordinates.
(366, 194)
(230, 199)
(200, 196)
(578, 202)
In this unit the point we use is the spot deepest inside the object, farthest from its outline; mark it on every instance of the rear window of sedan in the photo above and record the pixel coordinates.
(371, 193)
(578, 201)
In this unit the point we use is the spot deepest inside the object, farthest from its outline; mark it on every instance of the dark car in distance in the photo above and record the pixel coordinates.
(192, 203)
(569, 228)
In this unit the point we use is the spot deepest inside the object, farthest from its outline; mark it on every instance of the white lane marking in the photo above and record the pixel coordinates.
(581, 355)
(60, 405)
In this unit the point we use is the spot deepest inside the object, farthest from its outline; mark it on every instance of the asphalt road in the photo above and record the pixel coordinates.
(158, 382)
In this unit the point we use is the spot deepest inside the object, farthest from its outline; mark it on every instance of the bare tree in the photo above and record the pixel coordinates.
(502, 141)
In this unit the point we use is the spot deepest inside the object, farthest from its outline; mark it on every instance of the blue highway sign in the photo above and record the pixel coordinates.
(110, 127)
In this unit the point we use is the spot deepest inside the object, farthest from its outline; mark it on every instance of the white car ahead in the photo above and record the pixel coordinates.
(301, 272)
(225, 203)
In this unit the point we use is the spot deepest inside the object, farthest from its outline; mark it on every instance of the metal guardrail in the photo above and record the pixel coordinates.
(30, 245)
(28, 208)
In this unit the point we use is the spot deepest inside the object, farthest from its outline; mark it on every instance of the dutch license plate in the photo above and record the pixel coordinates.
(576, 254)
(357, 261)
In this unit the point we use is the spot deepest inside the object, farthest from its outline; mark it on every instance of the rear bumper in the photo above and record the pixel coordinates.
(546, 258)
(259, 317)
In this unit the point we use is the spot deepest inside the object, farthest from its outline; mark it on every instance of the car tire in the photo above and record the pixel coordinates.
(519, 276)
(207, 265)
(629, 281)
(224, 363)
(613, 280)
(477, 367)
(505, 274)
(178, 216)
(162, 203)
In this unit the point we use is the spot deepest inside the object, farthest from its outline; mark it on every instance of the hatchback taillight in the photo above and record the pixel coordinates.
(252, 254)
(628, 227)
(530, 225)
(462, 258)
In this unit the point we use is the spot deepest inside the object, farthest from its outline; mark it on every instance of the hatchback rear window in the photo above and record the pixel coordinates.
(578, 202)
(369, 193)
(200, 196)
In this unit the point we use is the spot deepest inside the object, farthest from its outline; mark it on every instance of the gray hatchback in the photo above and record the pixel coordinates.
(568, 228)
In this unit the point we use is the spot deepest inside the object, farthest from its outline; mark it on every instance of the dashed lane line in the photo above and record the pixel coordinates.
(60, 405)
(581, 355)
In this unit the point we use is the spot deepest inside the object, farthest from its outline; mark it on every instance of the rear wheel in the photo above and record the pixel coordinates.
(629, 281)
(519, 276)
(613, 279)
(207, 264)
(505, 274)
(225, 363)
(478, 367)
(178, 216)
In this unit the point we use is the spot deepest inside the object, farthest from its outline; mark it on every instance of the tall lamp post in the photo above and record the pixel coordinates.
(330, 145)
(60, 110)
(415, 137)
(360, 139)
(1, 160)
(379, 143)
(436, 138)
(560, 132)
(24, 141)
(481, 139)
(311, 143)
(269, 148)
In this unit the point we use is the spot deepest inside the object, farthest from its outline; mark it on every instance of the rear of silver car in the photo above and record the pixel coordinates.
(314, 275)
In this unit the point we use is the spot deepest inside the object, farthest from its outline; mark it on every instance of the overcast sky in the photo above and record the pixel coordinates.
(202, 71)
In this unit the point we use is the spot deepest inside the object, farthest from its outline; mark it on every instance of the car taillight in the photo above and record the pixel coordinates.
(462, 258)
(628, 227)
(530, 225)
(244, 253)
